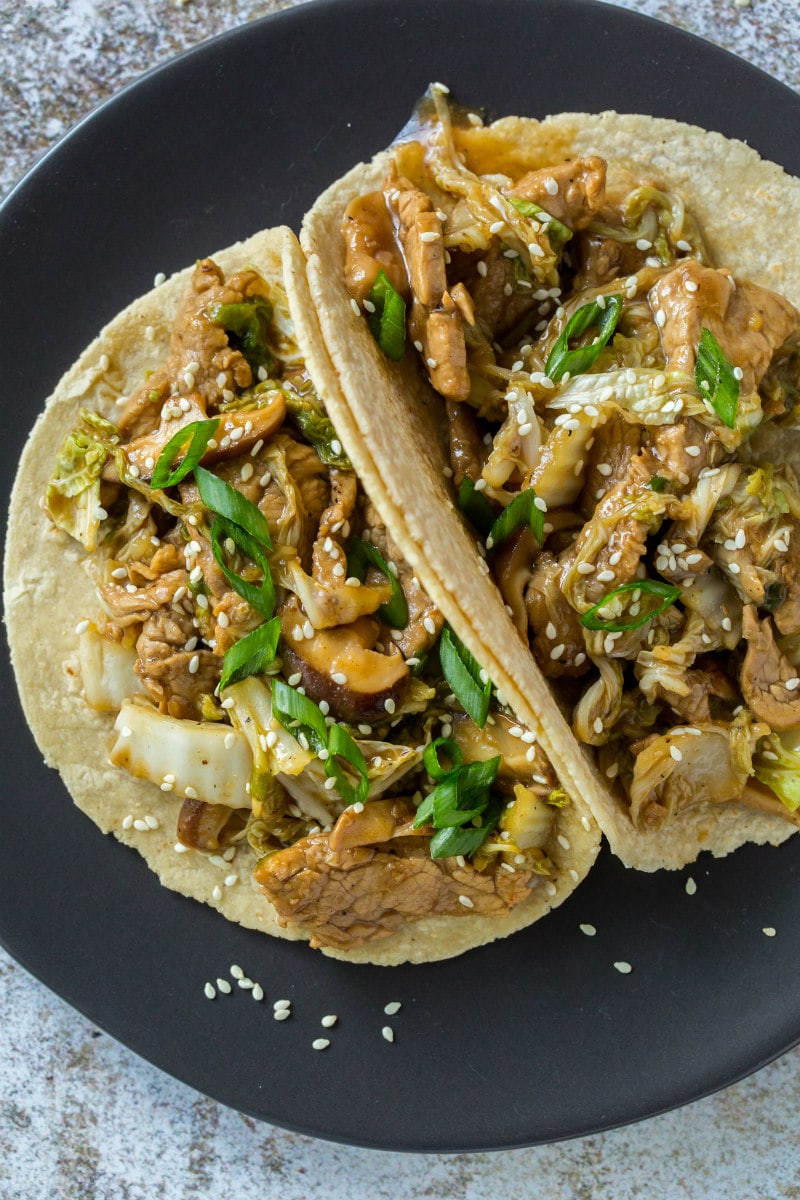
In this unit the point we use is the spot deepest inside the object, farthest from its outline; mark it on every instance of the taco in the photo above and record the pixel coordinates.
(595, 315)
(220, 646)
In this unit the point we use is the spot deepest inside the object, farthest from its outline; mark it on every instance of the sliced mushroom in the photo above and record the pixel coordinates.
(341, 666)
(377, 822)
(237, 432)
(207, 826)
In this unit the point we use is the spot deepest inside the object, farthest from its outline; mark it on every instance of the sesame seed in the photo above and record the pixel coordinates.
(354, 306)
(792, 683)
(683, 245)
(661, 319)
(236, 971)
(282, 1005)
(152, 822)
(612, 771)
(585, 568)
(209, 991)
(127, 821)
(624, 968)
(598, 724)
(216, 894)
(141, 825)
(429, 625)
(245, 983)
(329, 1021)
(691, 886)
(563, 841)
(339, 677)
(179, 848)
(540, 503)
(550, 186)
(294, 679)
(690, 285)
(734, 568)
(738, 373)
(769, 931)
(465, 900)
(589, 930)
(557, 651)
(320, 1043)
(387, 1033)
(726, 624)
(550, 631)
(224, 987)
(497, 227)
(281, 1014)
(369, 306)
(80, 628)
(605, 576)
(675, 754)
(194, 664)
(393, 1007)
(257, 992)
(159, 279)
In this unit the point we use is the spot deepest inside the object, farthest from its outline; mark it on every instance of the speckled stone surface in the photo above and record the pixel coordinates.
(82, 1118)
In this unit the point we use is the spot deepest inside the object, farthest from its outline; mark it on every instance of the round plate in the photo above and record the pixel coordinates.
(532, 1039)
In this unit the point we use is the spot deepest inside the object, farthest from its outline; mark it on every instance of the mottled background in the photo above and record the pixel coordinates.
(82, 1118)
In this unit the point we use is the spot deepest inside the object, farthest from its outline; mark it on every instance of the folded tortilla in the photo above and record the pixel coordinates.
(742, 204)
(48, 594)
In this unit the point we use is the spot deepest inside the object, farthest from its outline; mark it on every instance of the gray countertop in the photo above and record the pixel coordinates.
(81, 1116)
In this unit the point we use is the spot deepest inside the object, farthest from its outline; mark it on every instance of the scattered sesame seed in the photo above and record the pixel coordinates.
(691, 886)
(210, 991)
(661, 319)
(80, 628)
(281, 1014)
(589, 930)
(354, 306)
(675, 754)
(388, 1033)
(624, 968)
(216, 893)
(329, 1021)
(769, 931)
(550, 186)
(320, 1043)
(140, 825)
(392, 1007)
(179, 848)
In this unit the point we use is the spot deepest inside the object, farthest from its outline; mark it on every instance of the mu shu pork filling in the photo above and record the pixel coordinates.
(590, 353)
(339, 855)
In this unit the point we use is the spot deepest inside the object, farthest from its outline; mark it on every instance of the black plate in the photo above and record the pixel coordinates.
(530, 1040)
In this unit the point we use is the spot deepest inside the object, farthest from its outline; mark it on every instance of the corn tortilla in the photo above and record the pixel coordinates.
(746, 207)
(47, 594)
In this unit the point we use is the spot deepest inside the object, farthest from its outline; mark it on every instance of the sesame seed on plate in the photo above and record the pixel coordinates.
(209, 991)
(624, 968)
(589, 930)
(329, 1021)
(320, 1043)
(691, 886)
(392, 1007)
(224, 987)
(387, 1033)
(769, 931)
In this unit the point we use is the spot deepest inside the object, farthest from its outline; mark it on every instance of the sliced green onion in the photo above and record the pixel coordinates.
(475, 507)
(388, 321)
(561, 359)
(467, 840)
(219, 497)
(521, 511)
(657, 484)
(342, 745)
(359, 554)
(252, 654)
(475, 778)
(555, 230)
(198, 434)
(463, 675)
(260, 596)
(431, 757)
(714, 376)
(289, 706)
(667, 593)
